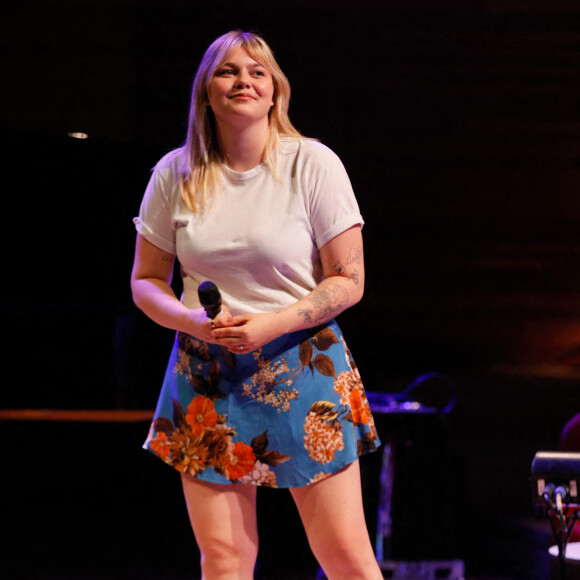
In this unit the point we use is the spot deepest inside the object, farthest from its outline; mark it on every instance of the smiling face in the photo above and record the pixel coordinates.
(241, 90)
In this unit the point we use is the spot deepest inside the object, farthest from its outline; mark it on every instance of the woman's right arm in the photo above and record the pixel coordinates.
(152, 292)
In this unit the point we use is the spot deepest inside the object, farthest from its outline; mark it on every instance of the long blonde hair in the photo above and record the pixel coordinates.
(201, 169)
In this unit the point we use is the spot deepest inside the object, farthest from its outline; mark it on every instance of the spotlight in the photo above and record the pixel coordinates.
(77, 135)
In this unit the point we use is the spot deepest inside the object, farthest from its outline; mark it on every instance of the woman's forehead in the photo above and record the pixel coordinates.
(237, 52)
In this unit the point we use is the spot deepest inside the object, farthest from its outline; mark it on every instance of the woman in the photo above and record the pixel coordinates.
(266, 393)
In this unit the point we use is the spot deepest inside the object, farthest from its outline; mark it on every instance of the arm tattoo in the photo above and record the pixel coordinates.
(351, 258)
(326, 302)
(354, 256)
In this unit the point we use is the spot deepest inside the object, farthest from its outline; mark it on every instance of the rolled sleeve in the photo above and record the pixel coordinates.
(155, 221)
(333, 208)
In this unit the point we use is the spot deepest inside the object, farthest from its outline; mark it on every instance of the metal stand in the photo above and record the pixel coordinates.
(406, 403)
(555, 479)
(404, 570)
(562, 520)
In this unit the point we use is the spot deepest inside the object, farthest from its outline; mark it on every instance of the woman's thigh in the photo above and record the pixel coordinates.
(223, 518)
(333, 517)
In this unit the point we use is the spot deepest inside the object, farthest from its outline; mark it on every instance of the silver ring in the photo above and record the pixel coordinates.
(212, 323)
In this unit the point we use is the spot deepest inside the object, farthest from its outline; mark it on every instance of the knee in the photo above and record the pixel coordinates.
(348, 559)
(223, 560)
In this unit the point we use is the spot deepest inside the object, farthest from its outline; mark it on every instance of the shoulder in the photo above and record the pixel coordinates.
(166, 174)
(308, 149)
(311, 156)
(317, 149)
(171, 162)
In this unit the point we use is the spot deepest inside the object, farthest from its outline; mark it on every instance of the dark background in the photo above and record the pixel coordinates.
(459, 125)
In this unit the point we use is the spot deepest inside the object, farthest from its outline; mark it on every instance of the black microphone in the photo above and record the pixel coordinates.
(210, 298)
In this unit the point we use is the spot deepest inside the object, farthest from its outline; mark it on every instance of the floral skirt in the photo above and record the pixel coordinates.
(286, 415)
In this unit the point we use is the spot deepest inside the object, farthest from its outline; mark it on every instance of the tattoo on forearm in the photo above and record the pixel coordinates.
(326, 302)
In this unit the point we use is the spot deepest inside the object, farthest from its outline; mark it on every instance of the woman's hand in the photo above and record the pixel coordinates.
(248, 332)
(199, 325)
(153, 294)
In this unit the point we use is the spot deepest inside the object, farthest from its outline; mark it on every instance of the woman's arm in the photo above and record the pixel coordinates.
(342, 287)
(152, 292)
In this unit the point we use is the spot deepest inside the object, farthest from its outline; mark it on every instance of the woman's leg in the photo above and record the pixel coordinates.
(333, 517)
(223, 518)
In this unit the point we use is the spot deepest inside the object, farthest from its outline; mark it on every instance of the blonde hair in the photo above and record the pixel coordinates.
(201, 170)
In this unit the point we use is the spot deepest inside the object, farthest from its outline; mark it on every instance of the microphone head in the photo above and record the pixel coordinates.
(210, 298)
(548, 492)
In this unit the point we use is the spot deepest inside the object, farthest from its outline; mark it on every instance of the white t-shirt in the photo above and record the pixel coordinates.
(259, 241)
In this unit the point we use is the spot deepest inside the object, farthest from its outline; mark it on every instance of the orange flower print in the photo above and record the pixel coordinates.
(201, 415)
(191, 456)
(161, 446)
(343, 385)
(241, 461)
(219, 442)
(358, 409)
(322, 433)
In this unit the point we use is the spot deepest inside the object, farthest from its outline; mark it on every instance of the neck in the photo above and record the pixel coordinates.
(243, 148)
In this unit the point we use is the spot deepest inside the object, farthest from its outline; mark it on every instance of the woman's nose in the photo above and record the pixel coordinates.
(242, 82)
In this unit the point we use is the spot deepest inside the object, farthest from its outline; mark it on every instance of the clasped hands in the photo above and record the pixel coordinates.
(243, 333)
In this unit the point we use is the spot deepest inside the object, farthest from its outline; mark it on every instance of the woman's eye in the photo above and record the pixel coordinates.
(225, 71)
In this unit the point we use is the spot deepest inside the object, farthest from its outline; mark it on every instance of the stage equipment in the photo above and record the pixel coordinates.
(555, 477)
(415, 527)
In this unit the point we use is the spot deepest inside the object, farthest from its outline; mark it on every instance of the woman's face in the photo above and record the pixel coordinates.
(241, 90)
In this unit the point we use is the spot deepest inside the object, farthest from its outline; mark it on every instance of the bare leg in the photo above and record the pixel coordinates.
(223, 518)
(333, 517)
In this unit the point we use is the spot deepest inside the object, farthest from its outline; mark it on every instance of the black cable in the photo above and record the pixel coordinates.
(566, 517)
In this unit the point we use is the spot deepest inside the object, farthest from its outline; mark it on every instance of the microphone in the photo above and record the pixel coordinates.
(210, 298)
(549, 491)
(560, 492)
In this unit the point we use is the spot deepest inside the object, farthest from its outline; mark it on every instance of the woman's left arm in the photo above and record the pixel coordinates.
(343, 285)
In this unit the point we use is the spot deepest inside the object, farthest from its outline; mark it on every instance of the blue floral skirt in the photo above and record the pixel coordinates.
(286, 415)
